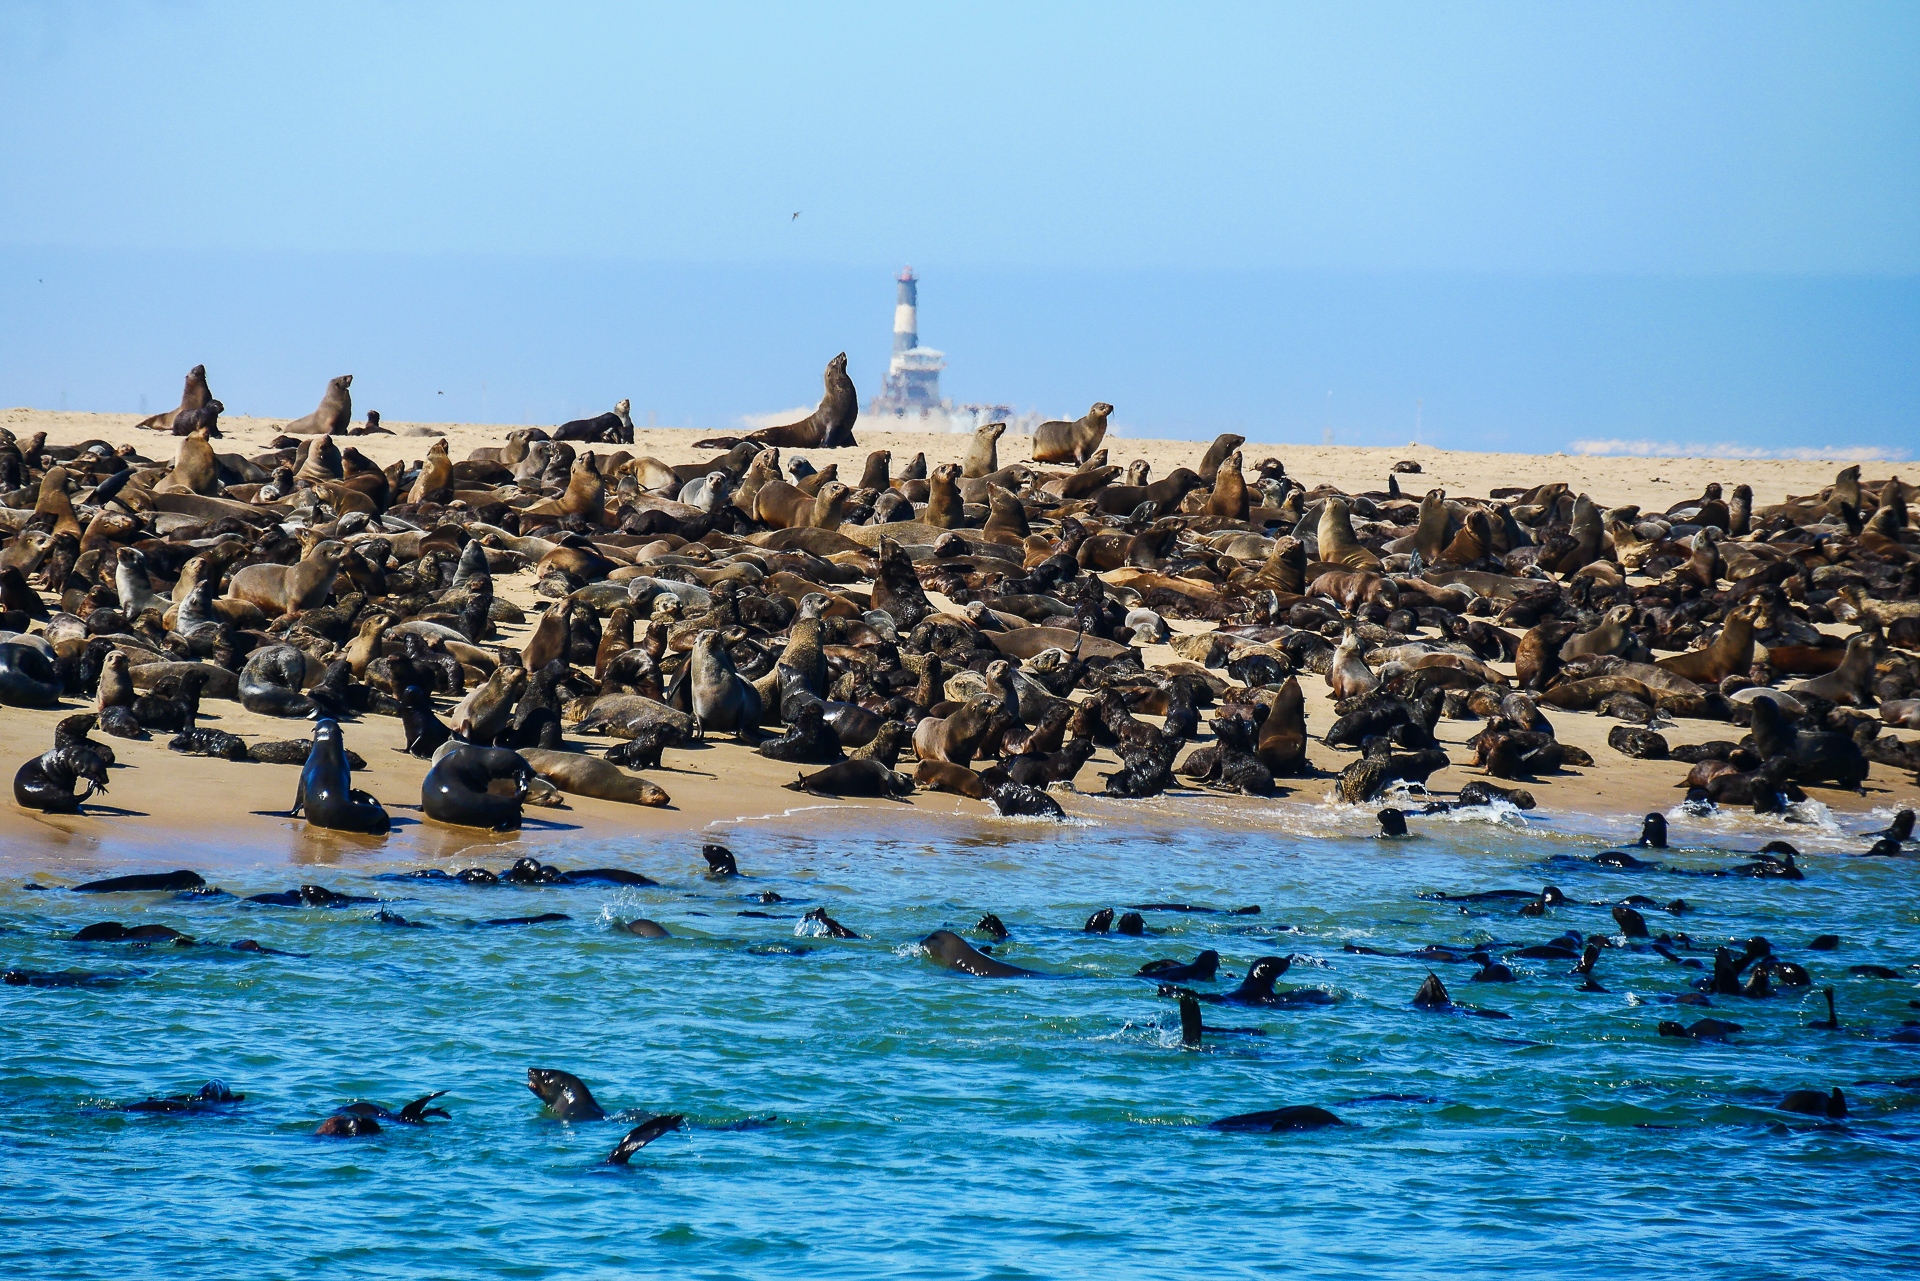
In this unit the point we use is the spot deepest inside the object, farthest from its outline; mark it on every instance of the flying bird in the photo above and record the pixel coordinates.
(796, 214)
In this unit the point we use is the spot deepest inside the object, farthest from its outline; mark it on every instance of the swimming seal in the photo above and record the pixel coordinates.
(565, 1095)
(326, 789)
(456, 791)
(140, 882)
(1072, 442)
(644, 1133)
(1278, 1120)
(957, 954)
(57, 782)
(414, 1113)
(27, 679)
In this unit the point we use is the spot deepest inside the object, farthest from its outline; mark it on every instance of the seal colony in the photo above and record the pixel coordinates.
(1005, 631)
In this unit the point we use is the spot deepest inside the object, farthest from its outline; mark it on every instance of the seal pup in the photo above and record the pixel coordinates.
(565, 1095)
(956, 953)
(1072, 442)
(332, 417)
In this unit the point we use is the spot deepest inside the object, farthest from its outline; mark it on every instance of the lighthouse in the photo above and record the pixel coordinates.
(912, 386)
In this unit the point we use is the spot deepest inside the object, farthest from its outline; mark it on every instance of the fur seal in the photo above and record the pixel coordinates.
(983, 452)
(27, 679)
(565, 1095)
(334, 414)
(59, 781)
(273, 678)
(326, 789)
(1279, 1120)
(956, 953)
(194, 395)
(856, 777)
(456, 791)
(291, 589)
(828, 427)
(583, 775)
(721, 697)
(1072, 442)
(955, 739)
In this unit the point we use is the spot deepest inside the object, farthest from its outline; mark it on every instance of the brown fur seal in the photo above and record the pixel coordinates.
(195, 469)
(830, 426)
(1348, 673)
(1731, 652)
(1610, 637)
(1074, 442)
(334, 415)
(290, 589)
(1283, 735)
(983, 455)
(938, 776)
(954, 739)
(585, 496)
(944, 508)
(1338, 546)
(485, 711)
(435, 476)
(53, 501)
(194, 396)
(1850, 681)
(1217, 453)
(584, 775)
(116, 683)
(1229, 497)
(1429, 537)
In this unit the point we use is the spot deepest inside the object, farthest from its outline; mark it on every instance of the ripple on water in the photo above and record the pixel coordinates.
(932, 1122)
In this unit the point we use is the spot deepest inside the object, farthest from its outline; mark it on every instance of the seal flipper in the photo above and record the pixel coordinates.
(641, 1135)
(417, 1112)
(1190, 1028)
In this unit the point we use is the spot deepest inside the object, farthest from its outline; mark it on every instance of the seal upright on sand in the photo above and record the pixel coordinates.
(334, 414)
(830, 426)
(326, 789)
(193, 396)
(1072, 442)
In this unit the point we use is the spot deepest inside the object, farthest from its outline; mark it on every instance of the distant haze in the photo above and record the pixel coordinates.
(1621, 226)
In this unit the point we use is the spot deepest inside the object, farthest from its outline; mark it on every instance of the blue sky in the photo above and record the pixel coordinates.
(1675, 222)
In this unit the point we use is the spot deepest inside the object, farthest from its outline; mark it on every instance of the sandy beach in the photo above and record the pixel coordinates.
(162, 799)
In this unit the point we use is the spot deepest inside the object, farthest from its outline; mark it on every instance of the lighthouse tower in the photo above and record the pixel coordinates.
(912, 386)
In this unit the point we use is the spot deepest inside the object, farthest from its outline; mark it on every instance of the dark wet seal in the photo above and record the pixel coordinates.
(719, 860)
(69, 978)
(309, 896)
(541, 919)
(641, 1135)
(1832, 1105)
(210, 1097)
(645, 929)
(1432, 998)
(1257, 989)
(414, 1113)
(181, 880)
(957, 954)
(566, 1096)
(1393, 823)
(1653, 832)
(347, 1127)
(385, 917)
(1251, 910)
(834, 928)
(1279, 1120)
(991, 926)
(1201, 969)
(1700, 1030)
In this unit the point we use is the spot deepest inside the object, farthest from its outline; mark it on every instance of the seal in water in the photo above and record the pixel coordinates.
(565, 1095)
(957, 954)
(144, 881)
(1653, 832)
(719, 860)
(456, 789)
(1832, 1105)
(1302, 1116)
(59, 781)
(1201, 969)
(641, 1135)
(210, 1096)
(414, 1113)
(347, 1127)
(326, 789)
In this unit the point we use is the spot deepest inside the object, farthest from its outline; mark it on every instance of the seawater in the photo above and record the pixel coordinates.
(930, 1124)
